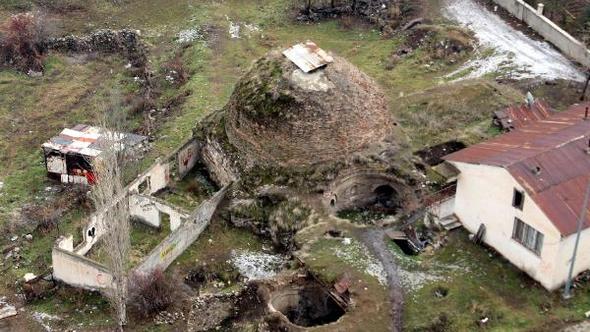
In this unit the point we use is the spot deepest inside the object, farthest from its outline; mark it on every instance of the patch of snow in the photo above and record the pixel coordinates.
(256, 265)
(42, 319)
(29, 276)
(516, 54)
(189, 35)
(415, 280)
(234, 30)
(357, 255)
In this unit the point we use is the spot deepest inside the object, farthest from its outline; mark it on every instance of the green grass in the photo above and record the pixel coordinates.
(482, 284)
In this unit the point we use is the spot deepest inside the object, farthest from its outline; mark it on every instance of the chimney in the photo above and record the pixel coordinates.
(537, 170)
(540, 8)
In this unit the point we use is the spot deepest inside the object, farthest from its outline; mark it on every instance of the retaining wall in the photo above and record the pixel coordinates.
(177, 242)
(549, 30)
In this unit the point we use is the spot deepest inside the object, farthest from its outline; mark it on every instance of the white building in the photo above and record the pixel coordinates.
(527, 187)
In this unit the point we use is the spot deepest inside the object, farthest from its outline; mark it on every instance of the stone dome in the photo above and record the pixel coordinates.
(280, 115)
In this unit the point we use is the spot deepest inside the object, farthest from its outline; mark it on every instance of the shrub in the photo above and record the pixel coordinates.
(22, 42)
(151, 293)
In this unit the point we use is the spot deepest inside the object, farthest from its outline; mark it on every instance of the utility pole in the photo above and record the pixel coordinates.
(585, 86)
(567, 292)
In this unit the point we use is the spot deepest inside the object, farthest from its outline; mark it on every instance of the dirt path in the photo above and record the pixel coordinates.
(515, 54)
(374, 239)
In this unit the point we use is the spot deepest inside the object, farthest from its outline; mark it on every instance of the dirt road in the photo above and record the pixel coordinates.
(374, 239)
(515, 55)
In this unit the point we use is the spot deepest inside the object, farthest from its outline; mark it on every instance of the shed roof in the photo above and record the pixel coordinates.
(558, 147)
(86, 140)
(518, 116)
(308, 56)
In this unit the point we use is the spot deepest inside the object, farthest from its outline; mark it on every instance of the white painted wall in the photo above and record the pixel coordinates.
(484, 195)
(549, 30)
(148, 209)
(158, 177)
(566, 250)
(77, 270)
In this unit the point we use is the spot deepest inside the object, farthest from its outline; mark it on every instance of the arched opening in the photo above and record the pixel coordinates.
(385, 197)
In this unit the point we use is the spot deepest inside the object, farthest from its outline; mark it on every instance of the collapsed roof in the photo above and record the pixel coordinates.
(89, 141)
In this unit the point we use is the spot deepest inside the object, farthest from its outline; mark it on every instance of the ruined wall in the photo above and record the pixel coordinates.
(177, 242)
(125, 42)
(219, 164)
(151, 181)
(187, 157)
(150, 209)
(77, 270)
(549, 30)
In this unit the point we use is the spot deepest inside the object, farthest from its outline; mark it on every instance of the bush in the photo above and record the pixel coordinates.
(149, 294)
(22, 42)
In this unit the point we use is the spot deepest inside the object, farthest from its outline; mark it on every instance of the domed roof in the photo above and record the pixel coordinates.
(282, 115)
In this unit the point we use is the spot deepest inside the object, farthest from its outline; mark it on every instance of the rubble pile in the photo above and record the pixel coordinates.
(126, 42)
(388, 15)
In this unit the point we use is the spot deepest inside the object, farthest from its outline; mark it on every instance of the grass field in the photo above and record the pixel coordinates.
(75, 89)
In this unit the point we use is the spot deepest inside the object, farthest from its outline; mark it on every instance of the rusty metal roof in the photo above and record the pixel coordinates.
(308, 56)
(518, 116)
(85, 140)
(558, 147)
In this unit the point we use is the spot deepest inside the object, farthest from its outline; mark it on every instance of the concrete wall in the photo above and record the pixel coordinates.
(177, 242)
(149, 209)
(484, 196)
(76, 270)
(549, 30)
(154, 179)
(443, 208)
(187, 157)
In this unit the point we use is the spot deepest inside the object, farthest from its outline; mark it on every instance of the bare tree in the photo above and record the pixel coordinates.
(109, 197)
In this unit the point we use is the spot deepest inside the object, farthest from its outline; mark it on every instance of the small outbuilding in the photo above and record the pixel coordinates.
(526, 188)
(69, 155)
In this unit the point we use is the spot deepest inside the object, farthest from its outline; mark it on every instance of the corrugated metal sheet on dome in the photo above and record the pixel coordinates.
(558, 146)
(308, 56)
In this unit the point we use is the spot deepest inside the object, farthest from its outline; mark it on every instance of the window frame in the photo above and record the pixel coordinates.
(515, 194)
(528, 236)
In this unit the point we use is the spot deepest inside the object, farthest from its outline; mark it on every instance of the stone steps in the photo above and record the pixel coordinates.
(450, 222)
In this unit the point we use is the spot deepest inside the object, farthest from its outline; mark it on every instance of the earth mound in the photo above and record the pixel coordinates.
(280, 115)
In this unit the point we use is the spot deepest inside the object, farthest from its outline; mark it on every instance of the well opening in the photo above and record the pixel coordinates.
(306, 306)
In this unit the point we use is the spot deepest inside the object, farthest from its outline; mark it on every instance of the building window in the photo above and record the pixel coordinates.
(527, 236)
(518, 199)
